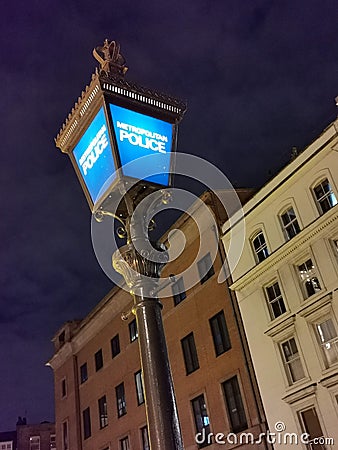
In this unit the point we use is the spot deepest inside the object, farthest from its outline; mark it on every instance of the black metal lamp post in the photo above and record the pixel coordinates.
(113, 123)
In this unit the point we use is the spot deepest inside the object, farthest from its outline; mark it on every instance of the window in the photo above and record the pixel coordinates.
(205, 268)
(201, 418)
(325, 196)
(52, 442)
(289, 223)
(308, 277)
(190, 353)
(65, 436)
(310, 424)
(103, 414)
(234, 403)
(124, 443)
(120, 400)
(145, 438)
(115, 346)
(275, 300)
(34, 443)
(87, 428)
(139, 387)
(291, 359)
(220, 333)
(98, 360)
(178, 291)
(63, 388)
(133, 333)
(327, 336)
(83, 373)
(259, 246)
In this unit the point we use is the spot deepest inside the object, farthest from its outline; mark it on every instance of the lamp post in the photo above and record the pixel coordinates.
(113, 123)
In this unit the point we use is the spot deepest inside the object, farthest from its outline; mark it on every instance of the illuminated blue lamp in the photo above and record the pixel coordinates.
(103, 148)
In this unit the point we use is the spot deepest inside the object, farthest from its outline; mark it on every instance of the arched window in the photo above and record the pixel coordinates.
(259, 246)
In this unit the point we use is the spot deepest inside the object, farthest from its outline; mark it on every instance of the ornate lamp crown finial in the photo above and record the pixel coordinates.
(111, 60)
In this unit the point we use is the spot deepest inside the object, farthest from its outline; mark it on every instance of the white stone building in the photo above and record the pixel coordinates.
(286, 283)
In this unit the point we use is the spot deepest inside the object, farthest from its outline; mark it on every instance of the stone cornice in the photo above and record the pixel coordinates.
(301, 241)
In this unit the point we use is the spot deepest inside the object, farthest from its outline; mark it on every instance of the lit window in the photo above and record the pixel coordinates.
(133, 333)
(308, 277)
(325, 196)
(259, 246)
(310, 424)
(234, 405)
(328, 339)
(275, 301)
(292, 363)
(289, 223)
(98, 360)
(120, 400)
(205, 268)
(178, 291)
(190, 353)
(34, 443)
(220, 333)
(201, 418)
(52, 442)
(124, 443)
(139, 387)
(103, 414)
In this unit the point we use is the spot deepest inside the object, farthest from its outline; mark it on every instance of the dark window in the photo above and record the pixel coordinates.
(103, 414)
(124, 443)
(98, 360)
(65, 436)
(63, 388)
(178, 291)
(311, 425)
(139, 387)
(145, 438)
(260, 247)
(120, 400)
(133, 333)
(220, 333)
(62, 337)
(201, 418)
(308, 277)
(87, 428)
(234, 405)
(205, 268)
(290, 223)
(190, 353)
(275, 301)
(115, 346)
(325, 196)
(83, 373)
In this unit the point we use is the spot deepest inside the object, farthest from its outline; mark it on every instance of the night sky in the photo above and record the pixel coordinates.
(259, 77)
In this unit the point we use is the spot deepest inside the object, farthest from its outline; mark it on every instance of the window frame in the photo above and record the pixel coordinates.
(139, 387)
(190, 355)
(321, 342)
(181, 294)
(304, 427)
(83, 371)
(292, 223)
(277, 299)
(65, 435)
(205, 268)
(225, 343)
(133, 331)
(199, 418)
(308, 281)
(123, 441)
(115, 346)
(235, 403)
(121, 405)
(34, 442)
(325, 196)
(145, 438)
(288, 363)
(103, 411)
(86, 423)
(261, 248)
(98, 357)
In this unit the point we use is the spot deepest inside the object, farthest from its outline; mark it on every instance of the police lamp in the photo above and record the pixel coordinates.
(112, 126)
